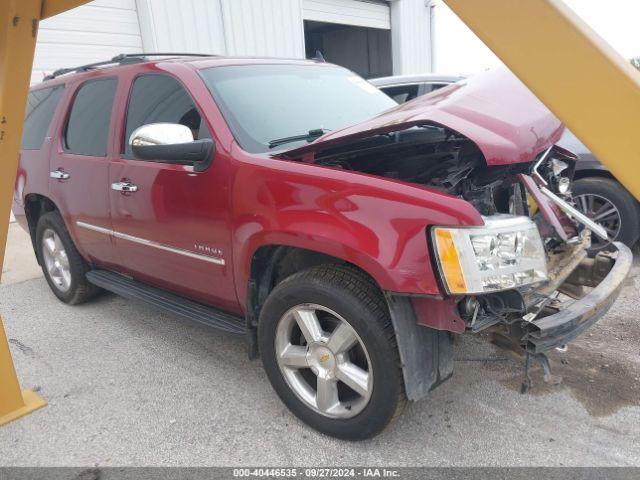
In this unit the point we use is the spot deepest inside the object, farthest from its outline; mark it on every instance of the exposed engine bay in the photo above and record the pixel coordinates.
(441, 158)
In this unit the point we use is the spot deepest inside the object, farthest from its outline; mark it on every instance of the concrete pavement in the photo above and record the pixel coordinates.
(19, 260)
(127, 385)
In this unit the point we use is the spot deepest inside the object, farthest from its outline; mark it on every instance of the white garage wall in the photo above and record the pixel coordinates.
(411, 36)
(228, 27)
(348, 12)
(104, 28)
(270, 28)
(183, 26)
(90, 33)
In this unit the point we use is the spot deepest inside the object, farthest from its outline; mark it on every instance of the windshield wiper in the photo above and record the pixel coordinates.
(310, 136)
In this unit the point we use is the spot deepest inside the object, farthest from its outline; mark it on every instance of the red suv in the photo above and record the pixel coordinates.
(291, 202)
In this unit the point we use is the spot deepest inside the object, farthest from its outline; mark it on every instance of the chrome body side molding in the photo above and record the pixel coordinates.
(150, 243)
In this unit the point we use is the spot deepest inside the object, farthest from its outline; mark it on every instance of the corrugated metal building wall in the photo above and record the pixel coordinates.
(225, 27)
(193, 26)
(104, 28)
(91, 33)
(267, 27)
(411, 27)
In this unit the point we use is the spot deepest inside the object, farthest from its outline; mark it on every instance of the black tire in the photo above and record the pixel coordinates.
(613, 192)
(358, 300)
(80, 290)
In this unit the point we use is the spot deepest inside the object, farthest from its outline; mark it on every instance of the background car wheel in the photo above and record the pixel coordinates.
(62, 265)
(606, 202)
(330, 352)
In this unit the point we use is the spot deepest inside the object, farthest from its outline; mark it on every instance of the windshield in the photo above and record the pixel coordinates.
(264, 103)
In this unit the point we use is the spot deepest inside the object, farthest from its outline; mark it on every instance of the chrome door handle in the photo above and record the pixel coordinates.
(124, 187)
(59, 175)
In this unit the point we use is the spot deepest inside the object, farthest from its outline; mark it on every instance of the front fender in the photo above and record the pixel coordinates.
(376, 224)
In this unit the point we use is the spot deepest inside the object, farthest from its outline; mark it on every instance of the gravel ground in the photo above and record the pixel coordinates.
(127, 385)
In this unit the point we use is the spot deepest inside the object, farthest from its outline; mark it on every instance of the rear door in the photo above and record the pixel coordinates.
(79, 166)
(33, 169)
(173, 230)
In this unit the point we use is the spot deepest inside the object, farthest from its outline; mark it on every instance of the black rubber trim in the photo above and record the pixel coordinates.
(189, 153)
(562, 327)
(167, 301)
(426, 353)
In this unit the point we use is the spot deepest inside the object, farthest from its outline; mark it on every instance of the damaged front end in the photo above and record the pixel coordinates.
(569, 290)
(536, 291)
(526, 273)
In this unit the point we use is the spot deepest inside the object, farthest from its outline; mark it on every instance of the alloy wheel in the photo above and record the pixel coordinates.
(56, 260)
(603, 212)
(324, 361)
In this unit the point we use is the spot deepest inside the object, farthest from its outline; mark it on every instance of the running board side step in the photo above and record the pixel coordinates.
(169, 302)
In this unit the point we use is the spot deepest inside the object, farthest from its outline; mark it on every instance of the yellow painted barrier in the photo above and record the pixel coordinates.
(54, 7)
(18, 31)
(575, 73)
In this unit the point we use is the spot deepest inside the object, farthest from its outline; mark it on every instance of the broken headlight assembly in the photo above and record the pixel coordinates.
(507, 252)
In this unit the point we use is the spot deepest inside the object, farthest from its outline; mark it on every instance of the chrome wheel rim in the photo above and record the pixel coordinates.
(324, 361)
(55, 260)
(603, 212)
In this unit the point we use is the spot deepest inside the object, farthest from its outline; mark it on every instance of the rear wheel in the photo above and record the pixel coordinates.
(62, 265)
(607, 203)
(329, 350)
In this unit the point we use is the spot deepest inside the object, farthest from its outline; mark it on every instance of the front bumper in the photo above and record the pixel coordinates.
(607, 276)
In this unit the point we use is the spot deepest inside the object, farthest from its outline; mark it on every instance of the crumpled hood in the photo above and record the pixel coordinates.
(493, 109)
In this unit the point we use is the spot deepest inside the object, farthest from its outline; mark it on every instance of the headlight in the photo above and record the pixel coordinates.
(506, 253)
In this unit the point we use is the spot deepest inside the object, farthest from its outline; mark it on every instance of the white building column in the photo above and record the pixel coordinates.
(411, 36)
(271, 28)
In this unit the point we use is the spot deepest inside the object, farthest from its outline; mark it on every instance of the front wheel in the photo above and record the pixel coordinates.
(329, 350)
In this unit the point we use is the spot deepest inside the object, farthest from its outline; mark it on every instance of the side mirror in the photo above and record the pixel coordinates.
(171, 143)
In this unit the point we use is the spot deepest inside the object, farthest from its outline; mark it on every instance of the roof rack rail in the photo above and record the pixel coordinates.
(122, 59)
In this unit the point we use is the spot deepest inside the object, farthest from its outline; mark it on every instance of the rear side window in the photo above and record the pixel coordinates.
(87, 131)
(40, 109)
(161, 99)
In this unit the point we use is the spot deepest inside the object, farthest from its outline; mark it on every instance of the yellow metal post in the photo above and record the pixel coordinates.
(580, 78)
(54, 7)
(18, 31)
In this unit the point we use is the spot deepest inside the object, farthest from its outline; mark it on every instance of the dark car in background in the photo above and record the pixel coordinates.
(595, 190)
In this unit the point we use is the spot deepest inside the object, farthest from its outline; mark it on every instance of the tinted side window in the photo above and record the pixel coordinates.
(402, 93)
(87, 130)
(161, 99)
(40, 109)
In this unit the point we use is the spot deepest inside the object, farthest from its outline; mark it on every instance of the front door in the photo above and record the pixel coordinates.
(170, 223)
